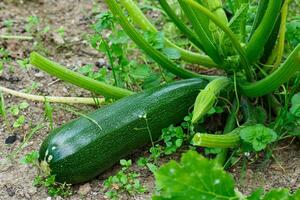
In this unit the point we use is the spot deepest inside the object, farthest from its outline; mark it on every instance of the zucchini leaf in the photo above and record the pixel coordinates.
(280, 194)
(194, 177)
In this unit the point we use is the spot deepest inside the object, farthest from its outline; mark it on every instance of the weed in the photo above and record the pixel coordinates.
(24, 64)
(123, 181)
(48, 113)
(54, 188)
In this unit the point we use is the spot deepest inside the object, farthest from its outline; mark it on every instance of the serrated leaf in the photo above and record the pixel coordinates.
(193, 178)
(258, 136)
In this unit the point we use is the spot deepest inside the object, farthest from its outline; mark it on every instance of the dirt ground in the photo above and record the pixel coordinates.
(75, 16)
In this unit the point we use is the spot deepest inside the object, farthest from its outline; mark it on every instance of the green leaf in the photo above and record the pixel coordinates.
(19, 122)
(23, 105)
(171, 53)
(295, 109)
(258, 136)
(14, 110)
(275, 194)
(152, 167)
(194, 177)
(141, 72)
(30, 158)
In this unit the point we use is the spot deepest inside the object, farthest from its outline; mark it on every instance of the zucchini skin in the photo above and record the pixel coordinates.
(79, 150)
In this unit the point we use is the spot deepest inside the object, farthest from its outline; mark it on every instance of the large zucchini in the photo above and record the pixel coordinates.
(82, 149)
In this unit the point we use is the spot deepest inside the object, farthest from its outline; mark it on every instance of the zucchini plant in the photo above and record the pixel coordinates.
(256, 78)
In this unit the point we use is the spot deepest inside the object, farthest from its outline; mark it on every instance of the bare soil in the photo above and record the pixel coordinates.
(76, 16)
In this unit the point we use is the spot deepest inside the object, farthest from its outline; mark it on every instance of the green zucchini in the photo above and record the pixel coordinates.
(83, 148)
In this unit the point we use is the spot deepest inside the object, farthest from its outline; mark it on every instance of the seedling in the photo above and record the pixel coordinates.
(54, 189)
(123, 181)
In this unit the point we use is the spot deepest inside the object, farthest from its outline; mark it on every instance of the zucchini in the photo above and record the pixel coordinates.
(83, 148)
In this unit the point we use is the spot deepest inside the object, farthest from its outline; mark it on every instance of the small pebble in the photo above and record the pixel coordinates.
(10, 139)
(100, 63)
(39, 75)
(84, 189)
(10, 191)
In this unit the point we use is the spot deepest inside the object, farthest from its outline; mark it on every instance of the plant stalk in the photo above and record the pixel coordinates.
(75, 78)
(270, 83)
(139, 18)
(54, 99)
(16, 37)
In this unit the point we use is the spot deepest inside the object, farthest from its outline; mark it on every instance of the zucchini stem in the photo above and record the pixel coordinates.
(229, 140)
(270, 83)
(75, 78)
(139, 18)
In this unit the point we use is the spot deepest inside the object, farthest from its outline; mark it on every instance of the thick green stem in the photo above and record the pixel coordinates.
(139, 18)
(227, 31)
(229, 140)
(255, 47)
(270, 83)
(230, 125)
(261, 9)
(201, 28)
(160, 58)
(180, 25)
(282, 30)
(75, 78)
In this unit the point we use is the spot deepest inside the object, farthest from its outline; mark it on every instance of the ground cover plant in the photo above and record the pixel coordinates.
(252, 97)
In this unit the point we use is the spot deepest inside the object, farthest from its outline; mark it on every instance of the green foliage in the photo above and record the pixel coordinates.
(48, 113)
(293, 32)
(54, 188)
(123, 181)
(192, 178)
(15, 109)
(90, 71)
(19, 121)
(24, 64)
(4, 58)
(30, 158)
(258, 136)
(173, 138)
(295, 108)
(32, 24)
(104, 20)
(196, 177)
(116, 46)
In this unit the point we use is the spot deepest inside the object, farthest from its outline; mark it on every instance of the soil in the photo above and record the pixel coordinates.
(73, 51)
